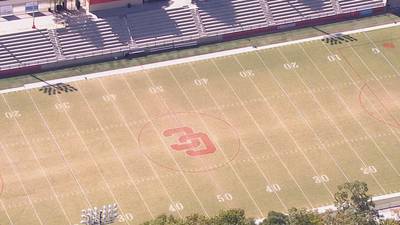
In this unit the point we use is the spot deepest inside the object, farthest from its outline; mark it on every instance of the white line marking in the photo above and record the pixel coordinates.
(261, 131)
(328, 116)
(90, 155)
(60, 150)
(40, 164)
(223, 153)
(122, 117)
(170, 154)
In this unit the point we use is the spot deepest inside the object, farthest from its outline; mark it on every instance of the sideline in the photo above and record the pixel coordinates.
(190, 59)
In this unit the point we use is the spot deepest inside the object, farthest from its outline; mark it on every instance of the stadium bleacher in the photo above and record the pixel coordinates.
(86, 36)
(226, 15)
(162, 25)
(93, 36)
(293, 10)
(25, 47)
(352, 5)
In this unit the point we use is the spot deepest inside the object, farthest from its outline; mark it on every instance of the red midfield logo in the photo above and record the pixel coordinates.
(189, 141)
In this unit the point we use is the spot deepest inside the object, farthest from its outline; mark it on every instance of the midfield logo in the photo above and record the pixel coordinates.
(189, 141)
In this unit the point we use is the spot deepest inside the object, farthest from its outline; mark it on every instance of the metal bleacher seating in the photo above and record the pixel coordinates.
(295, 10)
(93, 36)
(162, 26)
(25, 47)
(227, 15)
(353, 5)
(156, 28)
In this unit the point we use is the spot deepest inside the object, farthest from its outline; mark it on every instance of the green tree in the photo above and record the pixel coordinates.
(354, 205)
(164, 220)
(389, 222)
(304, 217)
(196, 219)
(231, 217)
(276, 218)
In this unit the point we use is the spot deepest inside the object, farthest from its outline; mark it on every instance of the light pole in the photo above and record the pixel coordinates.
(33, 22)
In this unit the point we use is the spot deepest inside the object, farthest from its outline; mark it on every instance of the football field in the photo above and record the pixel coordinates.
(262, 130)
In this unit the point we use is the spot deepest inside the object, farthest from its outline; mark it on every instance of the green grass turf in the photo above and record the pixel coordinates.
(288, 125)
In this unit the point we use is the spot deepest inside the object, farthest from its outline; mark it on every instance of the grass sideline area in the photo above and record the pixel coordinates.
(263, 130)
(257, 41)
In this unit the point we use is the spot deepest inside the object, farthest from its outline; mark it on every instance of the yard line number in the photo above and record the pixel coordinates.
(334, 58)
(62, 106)
(247, 73)
(175, 207)
(273, 188)
(109, 98)
(321, 179)
(375, 50)
(156, 89)
(291, 65)
(368, 170)
(201, 82)
(12, 114)
(125, 217)
(224, 197)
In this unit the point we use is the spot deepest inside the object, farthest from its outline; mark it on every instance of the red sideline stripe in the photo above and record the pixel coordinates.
(93, 2)
(19, 71)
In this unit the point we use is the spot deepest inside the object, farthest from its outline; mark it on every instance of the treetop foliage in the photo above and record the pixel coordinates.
(354, 207)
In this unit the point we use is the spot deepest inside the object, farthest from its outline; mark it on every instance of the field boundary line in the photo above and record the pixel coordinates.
(190, 59)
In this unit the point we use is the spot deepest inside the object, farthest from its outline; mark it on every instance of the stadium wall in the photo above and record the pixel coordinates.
(201, 41)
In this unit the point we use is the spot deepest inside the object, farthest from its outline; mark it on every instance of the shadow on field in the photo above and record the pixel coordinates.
(59, 88)
(53, 89)
(335, 39)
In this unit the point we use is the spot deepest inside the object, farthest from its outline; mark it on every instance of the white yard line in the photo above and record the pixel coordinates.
(244, 145)
(374, 75)
(122, 117)
(327, 114)
(39, 163)
(60, 150)
(170, 154)
(208, 172)
(163, 141)
(90, 154)
(303, 119)
(6, 212)
(217, 143)
(190, 59)
(12, 164)
(260, 130)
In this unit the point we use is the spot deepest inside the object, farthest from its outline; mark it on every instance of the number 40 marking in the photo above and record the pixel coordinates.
(174, 207)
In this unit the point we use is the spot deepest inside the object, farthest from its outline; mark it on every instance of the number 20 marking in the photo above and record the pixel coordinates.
(291, 65)
(12, 114)
(321, 179)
